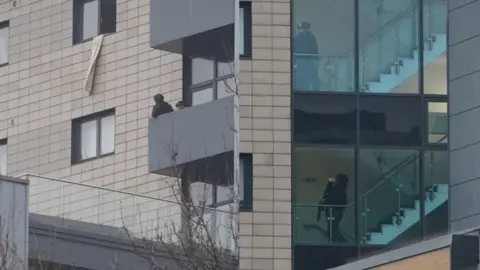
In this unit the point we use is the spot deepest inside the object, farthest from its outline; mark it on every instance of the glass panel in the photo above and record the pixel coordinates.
(241, 42)
(436, 182)
(323, 47)
(390, 120)
(317, 257)
(388, 44)
(90, 19)
(225, 68)
(88, 140)
(389, 210)
(202, 70)
(325, 119)
(4, 43)
(201, 192)
(324, 183)
(435, 40)
(3, 159)
(202, 96)
(107, 140)
(437, 122)
(226, 88)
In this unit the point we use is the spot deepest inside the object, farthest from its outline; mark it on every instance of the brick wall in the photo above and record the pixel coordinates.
(265, 131)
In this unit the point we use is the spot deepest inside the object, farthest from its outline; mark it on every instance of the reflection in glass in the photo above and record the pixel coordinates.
(226, 88)
(324, 195)
(324, 119)
(107, 140)
(434, 53)
(88, 140)
(202, 96)
(202, 70)
(389, 189)
(90, 19)
(309, 257)
(390, 120)
(323, 45)
(437, 122)
(388, 44)
(3, 159)
(241, 42)
(436, 182)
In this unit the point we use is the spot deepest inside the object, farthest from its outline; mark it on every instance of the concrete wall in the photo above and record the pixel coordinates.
(464, 104)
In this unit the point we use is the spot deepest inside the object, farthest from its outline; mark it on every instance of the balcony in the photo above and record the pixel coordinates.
(195, 137)
(187, 26)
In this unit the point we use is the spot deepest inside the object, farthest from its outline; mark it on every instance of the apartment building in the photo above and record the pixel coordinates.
(354, 90)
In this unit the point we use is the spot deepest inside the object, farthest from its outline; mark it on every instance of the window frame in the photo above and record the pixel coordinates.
(4, 142)
(6, 24)
(210, 83)
(103, 19)
(76, 136)
(247, 29)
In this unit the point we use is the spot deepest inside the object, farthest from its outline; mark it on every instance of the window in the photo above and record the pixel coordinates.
(93, 136)
(437, 122)
(92, 18)
(245, 182)
(3, 157)
(208, 79)
(321, 119)
(245, 44)
(4, 37)
(387, 120)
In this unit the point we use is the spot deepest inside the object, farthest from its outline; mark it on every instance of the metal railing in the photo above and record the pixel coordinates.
(138, 215)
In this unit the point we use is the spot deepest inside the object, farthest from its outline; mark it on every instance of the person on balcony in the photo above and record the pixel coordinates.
(160, 107)
(306, 59)
(333, 203)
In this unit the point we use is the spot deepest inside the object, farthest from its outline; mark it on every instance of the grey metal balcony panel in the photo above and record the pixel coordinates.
(172, 21)
(191, 134)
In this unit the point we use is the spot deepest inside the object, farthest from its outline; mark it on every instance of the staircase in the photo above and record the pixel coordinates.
(435, 196)
(392, 206)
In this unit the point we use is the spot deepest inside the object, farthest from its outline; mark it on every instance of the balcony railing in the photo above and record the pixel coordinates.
(134, 215)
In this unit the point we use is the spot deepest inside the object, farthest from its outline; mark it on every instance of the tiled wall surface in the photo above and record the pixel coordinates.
(41, 92)
(265, 131)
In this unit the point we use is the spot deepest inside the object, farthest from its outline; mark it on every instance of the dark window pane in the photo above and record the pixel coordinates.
(246, 181)
(324, 119)
(90, 19)
(436, 182)
(437, 122)
(245, 29)
(108, 11)
(322, 257)
(315, 171)
(389, 196)
(4, 43)
(323, 47)
(390, 121)
(3, 158)
(388, 39)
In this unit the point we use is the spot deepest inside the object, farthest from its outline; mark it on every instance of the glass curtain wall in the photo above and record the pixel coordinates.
(370, 127)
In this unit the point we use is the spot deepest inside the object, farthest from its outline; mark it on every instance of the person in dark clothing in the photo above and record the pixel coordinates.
(306, 59)
(160, 107)
(333, 203)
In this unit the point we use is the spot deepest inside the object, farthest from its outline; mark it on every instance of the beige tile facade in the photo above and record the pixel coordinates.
(41, 92)
(438, 260)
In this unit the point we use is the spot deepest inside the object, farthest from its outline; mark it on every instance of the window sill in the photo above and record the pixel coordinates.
(91, 159)
(74, 43)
